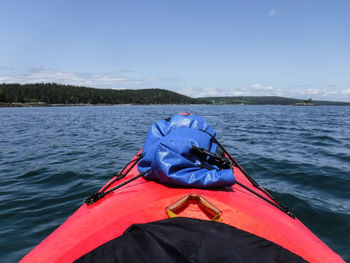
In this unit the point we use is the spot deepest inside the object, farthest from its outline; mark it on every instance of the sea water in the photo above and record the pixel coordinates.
(52, 158)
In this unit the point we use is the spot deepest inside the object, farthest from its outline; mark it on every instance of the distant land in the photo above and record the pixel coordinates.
(270, 100)
(52, 94)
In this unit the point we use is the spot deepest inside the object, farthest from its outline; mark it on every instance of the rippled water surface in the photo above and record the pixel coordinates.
(53, 158)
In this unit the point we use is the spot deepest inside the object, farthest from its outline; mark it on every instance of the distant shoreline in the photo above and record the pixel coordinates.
(30, 105)
(35, 105)
(58, 95)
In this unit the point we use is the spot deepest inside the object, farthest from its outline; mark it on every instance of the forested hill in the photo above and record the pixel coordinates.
(52, 93)
(268, 100)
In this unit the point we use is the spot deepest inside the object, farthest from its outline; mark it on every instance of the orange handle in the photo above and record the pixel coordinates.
(197, 199)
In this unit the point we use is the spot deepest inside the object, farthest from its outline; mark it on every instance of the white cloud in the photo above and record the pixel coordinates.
(345, 92)
(118, 80)
(107, 80)
(312, 92)
(272, 12)
(258, 86)
(255, 89)
(258, 89)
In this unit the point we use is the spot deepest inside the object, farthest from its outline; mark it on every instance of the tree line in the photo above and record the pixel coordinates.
(52, 93)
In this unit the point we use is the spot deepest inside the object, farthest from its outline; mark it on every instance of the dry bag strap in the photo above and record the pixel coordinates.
(196, 199)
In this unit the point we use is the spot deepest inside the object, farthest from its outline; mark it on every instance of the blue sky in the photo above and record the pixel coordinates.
(199, 48)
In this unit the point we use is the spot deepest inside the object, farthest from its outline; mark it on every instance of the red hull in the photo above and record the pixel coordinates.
(144, 201)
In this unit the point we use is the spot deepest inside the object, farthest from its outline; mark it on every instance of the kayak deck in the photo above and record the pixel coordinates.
(143, 201)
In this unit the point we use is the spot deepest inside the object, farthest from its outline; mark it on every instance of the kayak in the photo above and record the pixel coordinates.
(137, 219)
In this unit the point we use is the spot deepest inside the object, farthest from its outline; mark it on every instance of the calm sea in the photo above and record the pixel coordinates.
(51, 159)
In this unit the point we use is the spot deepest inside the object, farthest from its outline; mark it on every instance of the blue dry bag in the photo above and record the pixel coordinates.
(168, 152)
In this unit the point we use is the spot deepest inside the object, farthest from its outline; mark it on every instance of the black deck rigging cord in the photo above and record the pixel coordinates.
(95, 196)
(122, 173)
(221, 162)
(275, 203)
